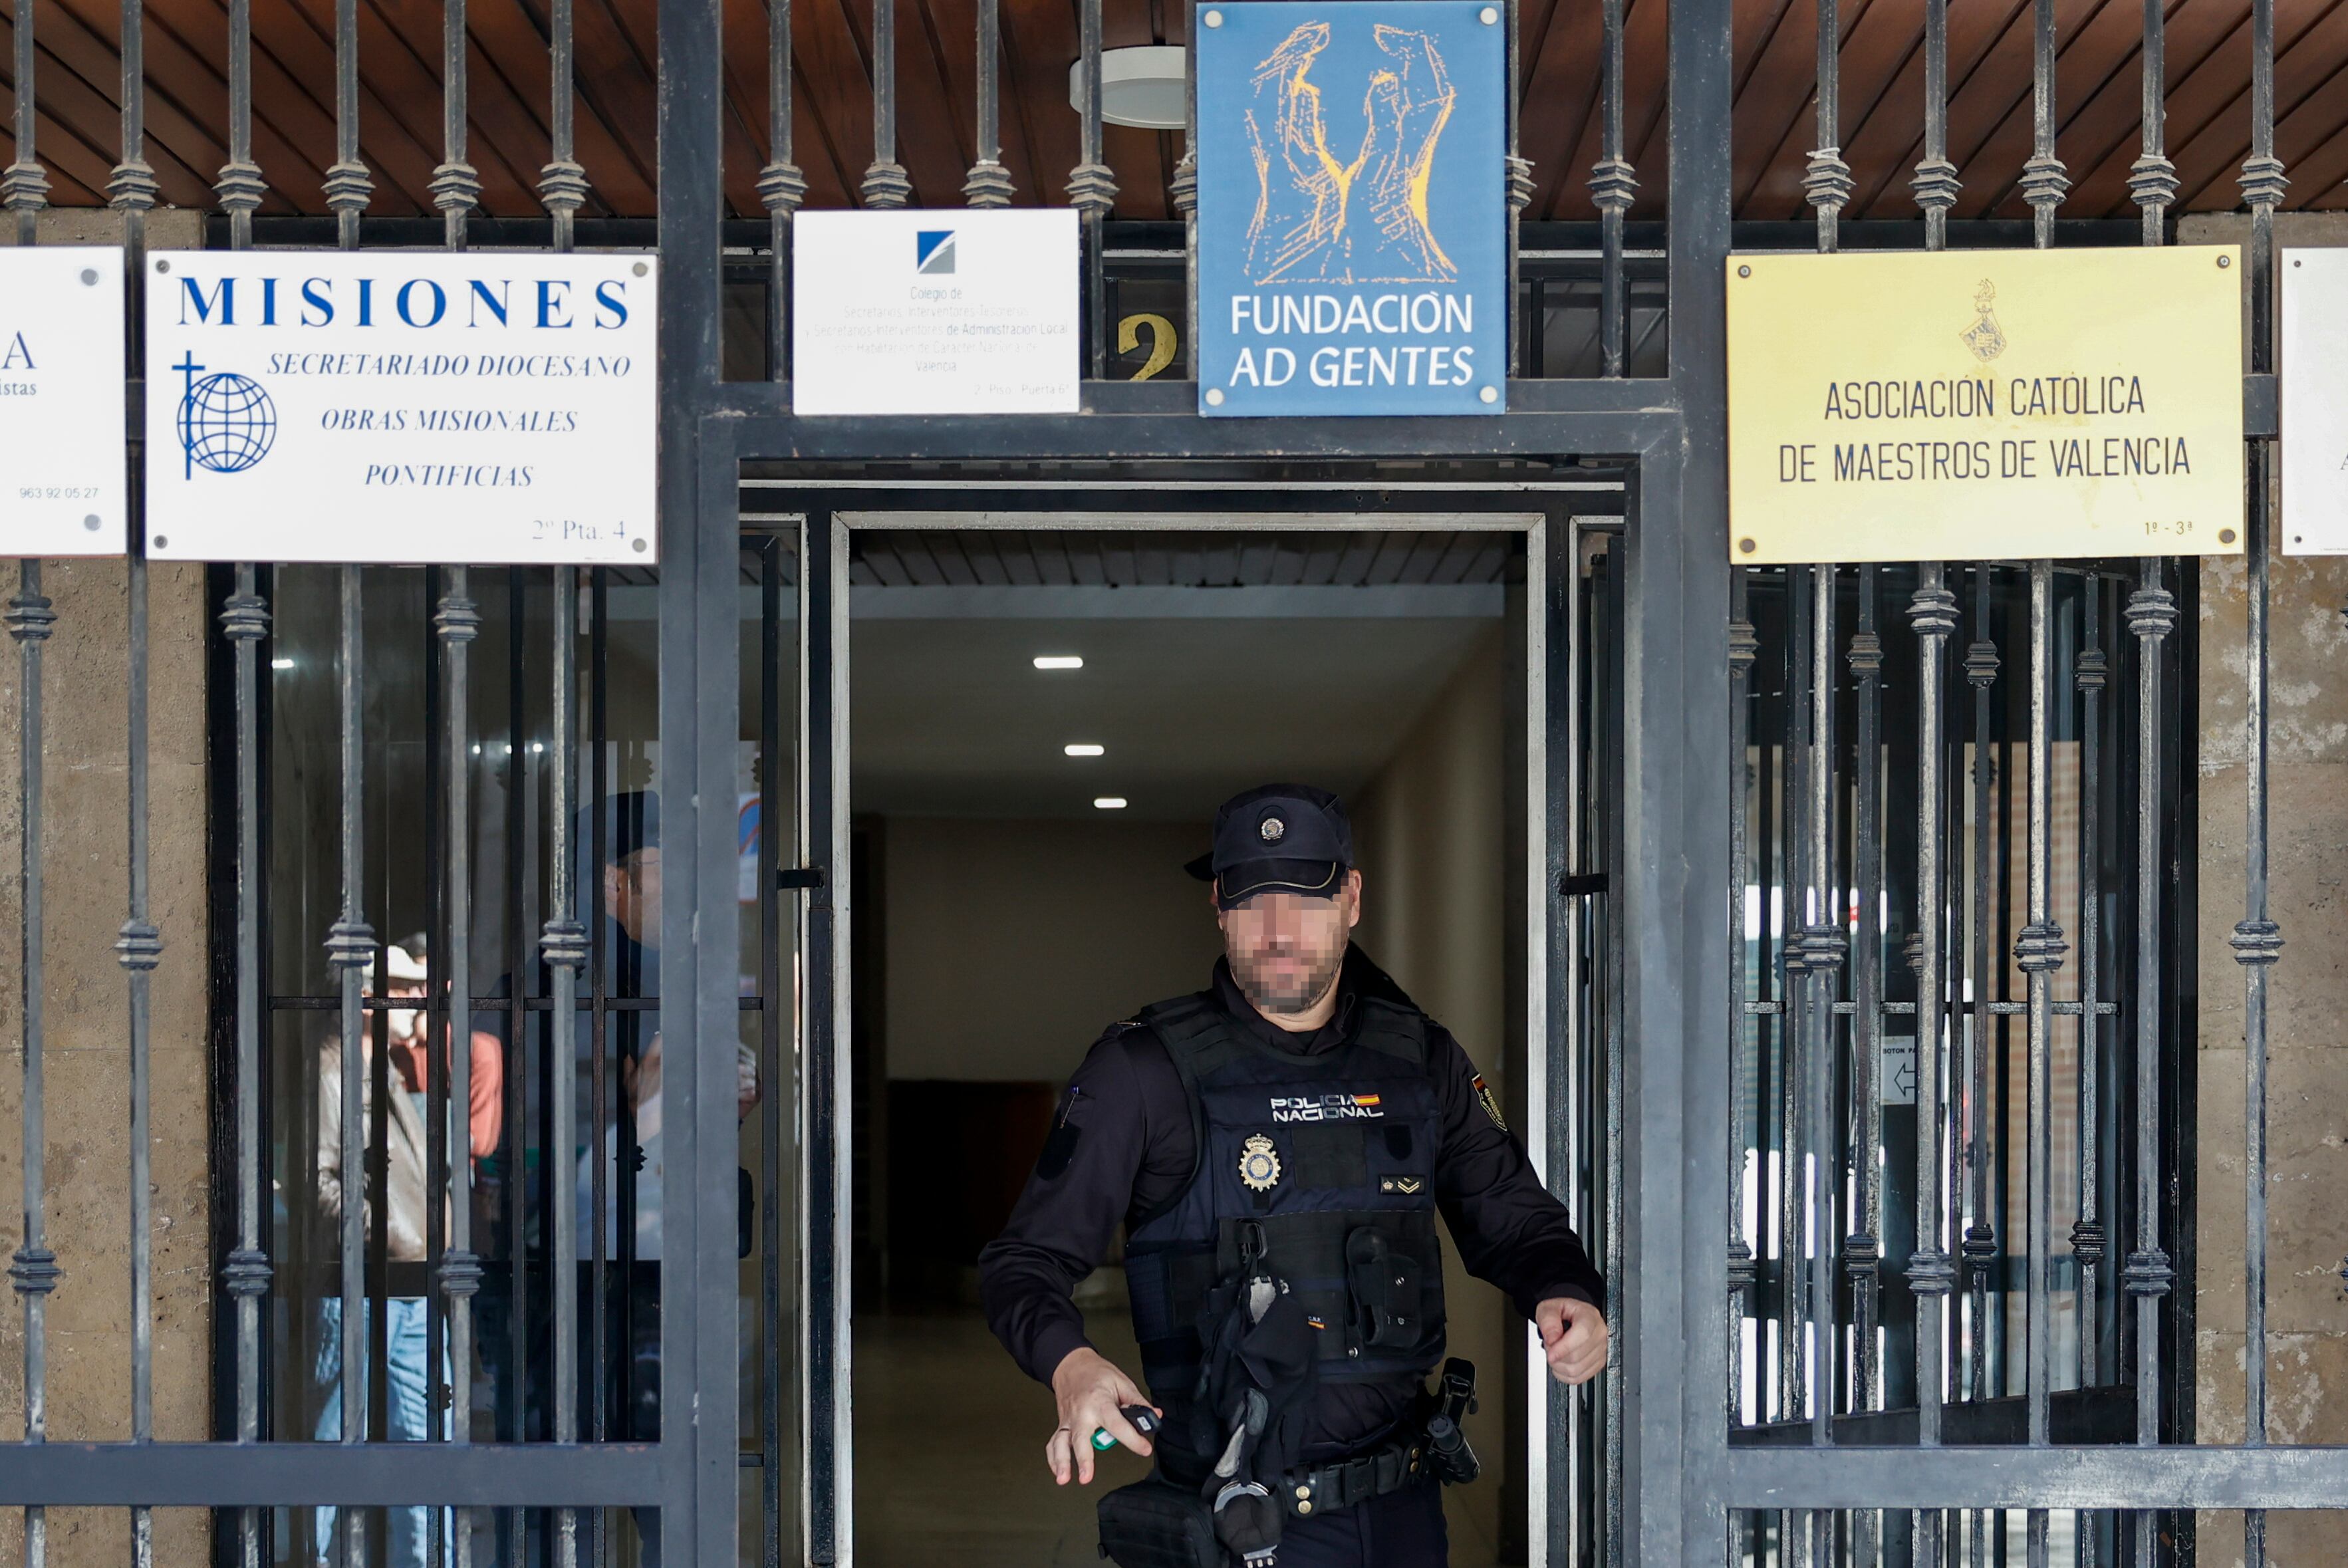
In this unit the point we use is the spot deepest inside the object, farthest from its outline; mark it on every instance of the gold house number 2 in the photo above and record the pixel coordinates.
(1161, 342)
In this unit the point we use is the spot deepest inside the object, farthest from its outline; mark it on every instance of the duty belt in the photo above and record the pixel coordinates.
(1342, 1483)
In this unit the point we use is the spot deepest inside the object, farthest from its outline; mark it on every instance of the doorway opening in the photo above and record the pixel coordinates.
(1042, 718)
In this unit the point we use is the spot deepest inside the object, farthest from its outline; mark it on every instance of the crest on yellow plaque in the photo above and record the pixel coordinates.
(1985, 404)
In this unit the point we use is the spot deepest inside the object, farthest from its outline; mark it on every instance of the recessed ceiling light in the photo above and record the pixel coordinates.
(1085, 748)
(1109, 802)
(1059, 660)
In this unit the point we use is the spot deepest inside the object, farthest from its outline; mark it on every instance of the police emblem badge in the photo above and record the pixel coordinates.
(1273, 830)
(1258, 1164)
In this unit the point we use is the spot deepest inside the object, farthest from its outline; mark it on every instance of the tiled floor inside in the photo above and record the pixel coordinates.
(950, 1448)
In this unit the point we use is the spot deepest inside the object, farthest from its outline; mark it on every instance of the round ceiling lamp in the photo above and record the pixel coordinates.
(1141, 87)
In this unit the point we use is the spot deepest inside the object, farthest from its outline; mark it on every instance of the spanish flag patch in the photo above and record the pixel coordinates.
(1490, 1102)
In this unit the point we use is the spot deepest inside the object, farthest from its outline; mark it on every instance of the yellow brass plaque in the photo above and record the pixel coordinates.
(1985, 404)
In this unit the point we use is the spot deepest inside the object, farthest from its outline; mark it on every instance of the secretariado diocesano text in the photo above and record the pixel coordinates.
(2068, 455)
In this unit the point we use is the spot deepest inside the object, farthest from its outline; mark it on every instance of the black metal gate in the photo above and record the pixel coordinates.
(1814, 808)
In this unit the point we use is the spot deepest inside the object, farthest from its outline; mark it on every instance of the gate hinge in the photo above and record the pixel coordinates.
(2262, 407)
(803, 878)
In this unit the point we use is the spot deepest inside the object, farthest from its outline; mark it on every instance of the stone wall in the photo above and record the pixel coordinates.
(86, 1054)
(2307, 1056)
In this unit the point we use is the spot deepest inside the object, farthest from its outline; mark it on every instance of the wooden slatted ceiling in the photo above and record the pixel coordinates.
(1775, 43)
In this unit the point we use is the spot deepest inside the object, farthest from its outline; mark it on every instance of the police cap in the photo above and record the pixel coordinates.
(1287, 838)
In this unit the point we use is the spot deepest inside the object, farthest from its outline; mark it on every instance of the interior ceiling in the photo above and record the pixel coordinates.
(1119, 558)
(950, 718)
(2097, 99)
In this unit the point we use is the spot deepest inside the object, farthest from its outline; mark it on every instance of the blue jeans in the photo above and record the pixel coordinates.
(408, 1385)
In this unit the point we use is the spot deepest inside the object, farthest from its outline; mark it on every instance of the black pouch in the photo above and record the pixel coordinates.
(1154, 1523)
(1387, 1289)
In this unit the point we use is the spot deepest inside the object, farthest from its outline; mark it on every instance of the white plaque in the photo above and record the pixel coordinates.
(402, 406)
(2314, 340)
(63, 438)
(957, 312)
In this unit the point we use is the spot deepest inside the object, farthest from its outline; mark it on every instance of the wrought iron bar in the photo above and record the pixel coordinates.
(520, 1349)
(348, 185)
(599, 1027)
(2152, 178)
(2039, 952)
(564, 946)
(782, 188)
(1092, 190)
(244, 621)
(25, 185)
(562, 183)
(139, 948)
(1862, 1244)
(33, 1271)
(1743, 647)
(886, 183)
(2257, 940)
(459, 622)
(1827, 180)
(456, 183)
(350, 950)
(988, 184)
(1613, 187)
(1933, 612)
(2088, 1245)
(1793, 1027)
(1979, 1246)
(131, 190)
(2151, 616)
(2043, 178)
(1935, 179)
(1185, 189)
(239, 184)
(1825, 944)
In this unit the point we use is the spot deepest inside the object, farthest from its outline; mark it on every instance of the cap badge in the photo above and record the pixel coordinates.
(1259, 1164)
(1273, 830)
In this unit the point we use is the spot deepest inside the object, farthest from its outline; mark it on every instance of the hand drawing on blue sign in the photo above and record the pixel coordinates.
(1361, 221)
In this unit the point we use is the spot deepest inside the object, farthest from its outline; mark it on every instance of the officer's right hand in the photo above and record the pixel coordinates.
(1090, 1390)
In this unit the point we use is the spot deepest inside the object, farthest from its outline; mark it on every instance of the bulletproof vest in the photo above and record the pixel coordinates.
(1325, 1164)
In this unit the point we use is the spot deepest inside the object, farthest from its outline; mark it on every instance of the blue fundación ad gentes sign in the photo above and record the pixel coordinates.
(402, 406)
(1352, 223)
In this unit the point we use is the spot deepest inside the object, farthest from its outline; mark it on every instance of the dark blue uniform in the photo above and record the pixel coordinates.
(1416, 1135)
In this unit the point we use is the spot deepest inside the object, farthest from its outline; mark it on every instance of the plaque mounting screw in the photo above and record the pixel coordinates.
(88, 277)
(1488, 15)
(2225, 261)
(1489, 394)
(2225, 536)
(1744, 272)
(162, 266)
(1215, 397)
(1214, 18)
(1747, 546)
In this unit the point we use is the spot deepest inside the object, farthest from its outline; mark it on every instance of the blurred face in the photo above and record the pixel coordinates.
(632, 895)
(404, 1019)
(1285, 948)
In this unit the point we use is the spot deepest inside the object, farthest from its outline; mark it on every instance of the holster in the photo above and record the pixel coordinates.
(1155, 1524)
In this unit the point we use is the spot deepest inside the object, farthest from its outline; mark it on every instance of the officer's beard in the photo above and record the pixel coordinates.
(1290, 987)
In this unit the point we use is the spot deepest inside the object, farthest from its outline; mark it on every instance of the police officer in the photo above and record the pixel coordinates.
(1277, 1148)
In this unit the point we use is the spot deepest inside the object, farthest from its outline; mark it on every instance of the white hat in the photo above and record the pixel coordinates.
(399, 965)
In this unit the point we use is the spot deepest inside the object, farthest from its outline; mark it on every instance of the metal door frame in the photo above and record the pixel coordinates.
(1554, 532)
